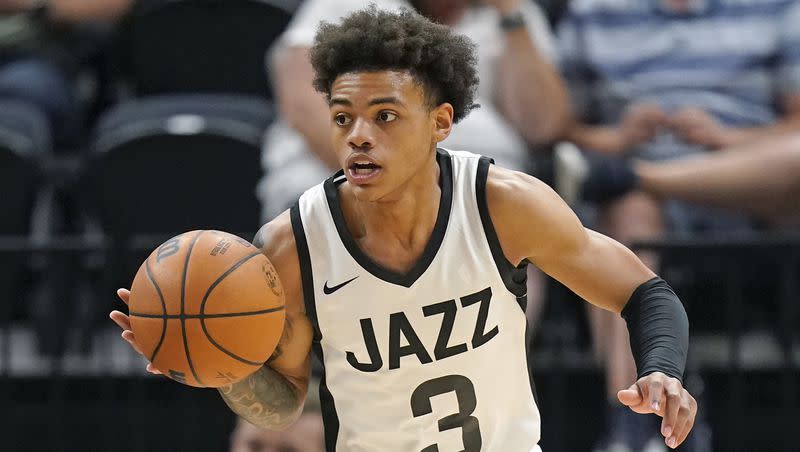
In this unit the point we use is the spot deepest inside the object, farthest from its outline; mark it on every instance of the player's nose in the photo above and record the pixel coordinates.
(361, 135)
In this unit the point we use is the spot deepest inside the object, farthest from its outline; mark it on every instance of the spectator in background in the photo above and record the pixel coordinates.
(523, 101)
(37, 61)
(760, 179)
(664, 79)
(305, 435)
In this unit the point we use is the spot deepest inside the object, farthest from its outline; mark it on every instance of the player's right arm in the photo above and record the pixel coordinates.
(273, 396)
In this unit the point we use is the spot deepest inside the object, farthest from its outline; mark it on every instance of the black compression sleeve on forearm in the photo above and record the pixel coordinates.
(658, 328)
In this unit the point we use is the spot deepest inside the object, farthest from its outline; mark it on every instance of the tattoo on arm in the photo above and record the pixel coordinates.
(265, 398)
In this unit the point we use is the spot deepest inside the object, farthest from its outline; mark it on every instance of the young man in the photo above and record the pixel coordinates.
(404, 272)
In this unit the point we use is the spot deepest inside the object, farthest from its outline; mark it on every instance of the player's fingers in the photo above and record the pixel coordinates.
(681, 434)
(120, 319)
(152, 369)
(655, 393)
(686, 418)
(124, 295)
(131, 339)
(673, 402)
(631, 396)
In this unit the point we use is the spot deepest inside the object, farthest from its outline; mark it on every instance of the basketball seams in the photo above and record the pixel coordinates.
(163, 309)
(224, 275)
(183, 304)
(205, 316)
(202, 316)
(173, 285)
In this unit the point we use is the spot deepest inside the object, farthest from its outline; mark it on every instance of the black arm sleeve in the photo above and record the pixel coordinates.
(658, 329)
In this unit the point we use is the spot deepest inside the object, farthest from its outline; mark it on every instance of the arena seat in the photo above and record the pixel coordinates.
(185, 46)
(165, 165)
(24, 139)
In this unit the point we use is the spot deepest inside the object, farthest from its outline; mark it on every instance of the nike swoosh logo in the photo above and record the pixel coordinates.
(329, 290)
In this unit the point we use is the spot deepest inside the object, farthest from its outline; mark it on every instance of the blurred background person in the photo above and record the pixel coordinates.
(41, 52)
(759, 179)
(305, 435)
(694, 77)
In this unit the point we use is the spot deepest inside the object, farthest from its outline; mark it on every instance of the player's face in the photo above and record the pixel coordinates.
(384, 131)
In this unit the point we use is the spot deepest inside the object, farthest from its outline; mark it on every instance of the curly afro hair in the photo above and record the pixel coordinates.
(373, 40)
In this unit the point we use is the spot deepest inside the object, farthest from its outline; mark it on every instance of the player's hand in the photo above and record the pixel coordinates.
(695, 126)
(124, 322)
(640, 124)
(666, 397)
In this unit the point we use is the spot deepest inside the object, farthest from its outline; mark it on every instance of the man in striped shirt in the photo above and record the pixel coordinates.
(660, 79)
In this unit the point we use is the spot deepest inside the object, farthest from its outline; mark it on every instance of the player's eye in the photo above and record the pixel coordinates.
(342, 119)
(387, 116)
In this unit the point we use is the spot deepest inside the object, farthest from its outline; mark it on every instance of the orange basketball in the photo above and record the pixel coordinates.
(207, 308)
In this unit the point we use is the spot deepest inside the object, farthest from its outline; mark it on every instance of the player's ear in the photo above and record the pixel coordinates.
(443, 121)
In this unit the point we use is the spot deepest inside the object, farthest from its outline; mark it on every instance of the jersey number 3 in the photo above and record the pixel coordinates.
(465, 393)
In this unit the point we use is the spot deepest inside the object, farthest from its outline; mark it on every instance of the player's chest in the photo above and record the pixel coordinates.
(387, 253)
(378, 332)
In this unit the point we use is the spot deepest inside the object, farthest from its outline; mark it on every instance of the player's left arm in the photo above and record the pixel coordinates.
(534, 224)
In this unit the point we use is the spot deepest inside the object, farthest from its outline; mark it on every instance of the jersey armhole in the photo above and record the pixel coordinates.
(306, 275)
(330, 418)
(514, 277)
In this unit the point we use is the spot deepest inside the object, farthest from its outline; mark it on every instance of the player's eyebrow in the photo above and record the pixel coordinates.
(339, 101)
(386, 100)
(376, 101)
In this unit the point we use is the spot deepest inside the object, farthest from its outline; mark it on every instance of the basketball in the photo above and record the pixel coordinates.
(207, 308)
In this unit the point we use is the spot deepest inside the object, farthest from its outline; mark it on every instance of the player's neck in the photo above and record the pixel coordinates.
(408, 215)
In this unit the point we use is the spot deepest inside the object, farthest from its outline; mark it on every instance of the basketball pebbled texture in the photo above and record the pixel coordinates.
(207, 308)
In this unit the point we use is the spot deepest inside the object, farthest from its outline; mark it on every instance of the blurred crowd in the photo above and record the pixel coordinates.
(652, 119)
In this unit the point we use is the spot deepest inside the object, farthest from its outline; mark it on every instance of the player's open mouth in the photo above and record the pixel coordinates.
(363, 170)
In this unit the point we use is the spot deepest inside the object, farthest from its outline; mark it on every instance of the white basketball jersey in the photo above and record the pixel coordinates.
(431, 360)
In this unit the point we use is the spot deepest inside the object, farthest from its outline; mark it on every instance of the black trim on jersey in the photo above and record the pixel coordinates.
(306, 275)
(529, 358)
(435, 241)
(329, 418)
(514, 277)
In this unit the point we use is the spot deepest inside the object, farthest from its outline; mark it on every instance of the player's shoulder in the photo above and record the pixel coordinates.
(276, 240)
(528, 215)
(276, 235)
(513, 189)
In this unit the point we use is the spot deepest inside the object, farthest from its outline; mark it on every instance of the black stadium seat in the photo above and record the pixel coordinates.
(165, 165)
(24, 139)
(189, 46)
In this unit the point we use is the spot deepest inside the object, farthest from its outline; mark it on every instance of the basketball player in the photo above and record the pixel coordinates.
(404, 272)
